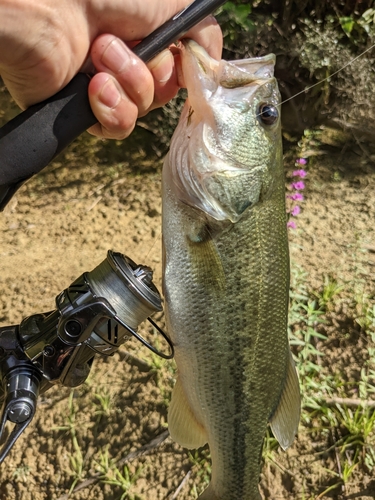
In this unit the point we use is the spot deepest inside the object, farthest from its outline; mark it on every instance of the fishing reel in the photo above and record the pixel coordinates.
(97, 313)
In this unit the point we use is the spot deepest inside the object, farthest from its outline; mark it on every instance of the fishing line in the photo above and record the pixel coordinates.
(329, 76)
(324, 79)
(156, 238)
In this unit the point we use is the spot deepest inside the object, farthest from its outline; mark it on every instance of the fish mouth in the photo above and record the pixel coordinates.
(203, 73)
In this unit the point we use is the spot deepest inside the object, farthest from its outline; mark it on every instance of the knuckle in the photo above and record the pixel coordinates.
(119, 123)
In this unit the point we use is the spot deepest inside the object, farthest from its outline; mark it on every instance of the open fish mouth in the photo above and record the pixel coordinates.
(204, 74)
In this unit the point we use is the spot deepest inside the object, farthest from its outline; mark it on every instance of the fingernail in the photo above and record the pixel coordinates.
(115, 55)
(110, 95)
(161, 66)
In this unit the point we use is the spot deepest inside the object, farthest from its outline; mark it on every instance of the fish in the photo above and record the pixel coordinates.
(226, 270)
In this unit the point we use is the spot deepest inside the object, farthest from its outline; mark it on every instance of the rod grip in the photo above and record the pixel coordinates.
(42, 132)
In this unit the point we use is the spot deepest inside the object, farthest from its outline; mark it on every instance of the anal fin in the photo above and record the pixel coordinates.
(183, 425)
(285, 420)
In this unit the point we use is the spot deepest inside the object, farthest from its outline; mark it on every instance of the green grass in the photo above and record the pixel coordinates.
(345, 432)
(103, 402)
(201, 469)
(119, 477)
(107, 471)
(305, 316)
(330, 289)
(22, 473)
(76, 460)
(164, 372)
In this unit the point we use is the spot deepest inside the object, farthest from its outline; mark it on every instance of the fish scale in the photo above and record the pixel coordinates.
(226, 274)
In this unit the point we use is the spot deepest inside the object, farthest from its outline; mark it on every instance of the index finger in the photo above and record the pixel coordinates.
(134, 19)
(208, 34)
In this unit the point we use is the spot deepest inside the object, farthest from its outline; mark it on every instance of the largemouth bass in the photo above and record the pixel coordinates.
(226, 270)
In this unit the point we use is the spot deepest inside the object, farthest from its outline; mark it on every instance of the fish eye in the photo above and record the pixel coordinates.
(267, 114)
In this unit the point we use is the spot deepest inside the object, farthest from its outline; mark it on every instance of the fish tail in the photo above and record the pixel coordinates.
(210, 494)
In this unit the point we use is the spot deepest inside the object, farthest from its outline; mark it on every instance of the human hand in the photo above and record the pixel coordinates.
(44, 43)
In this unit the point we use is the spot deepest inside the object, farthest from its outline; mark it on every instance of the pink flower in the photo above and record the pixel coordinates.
(291, 224)
(298, 185)
(299, 173)
(296, 210)
(295, 197)
(301, 161)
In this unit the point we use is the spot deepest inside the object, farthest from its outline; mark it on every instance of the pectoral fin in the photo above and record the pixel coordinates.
(206, 262)
(183, 426)
(285, 420)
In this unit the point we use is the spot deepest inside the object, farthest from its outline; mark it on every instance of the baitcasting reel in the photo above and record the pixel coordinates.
(94, 315)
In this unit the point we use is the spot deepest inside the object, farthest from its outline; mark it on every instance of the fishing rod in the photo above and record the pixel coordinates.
(102, 308)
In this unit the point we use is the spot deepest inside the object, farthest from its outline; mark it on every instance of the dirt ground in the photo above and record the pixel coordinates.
(99, 196)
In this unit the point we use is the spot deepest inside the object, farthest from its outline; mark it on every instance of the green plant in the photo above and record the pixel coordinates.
(122, 477)
(21, 474)
(234, 17)
(352, 437)
(76, 459)
(369, 459)
(359, 425)
(103, 404)
(357, 28)
(366, 385)
(330, 289)
(365, 307)
(355, 447)
(347, 470)
(306, 335)
(201, 466)
(305, 316)
(270, 445)
(165, 374)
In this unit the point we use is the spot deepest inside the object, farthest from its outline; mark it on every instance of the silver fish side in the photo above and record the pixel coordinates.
(226, 271)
